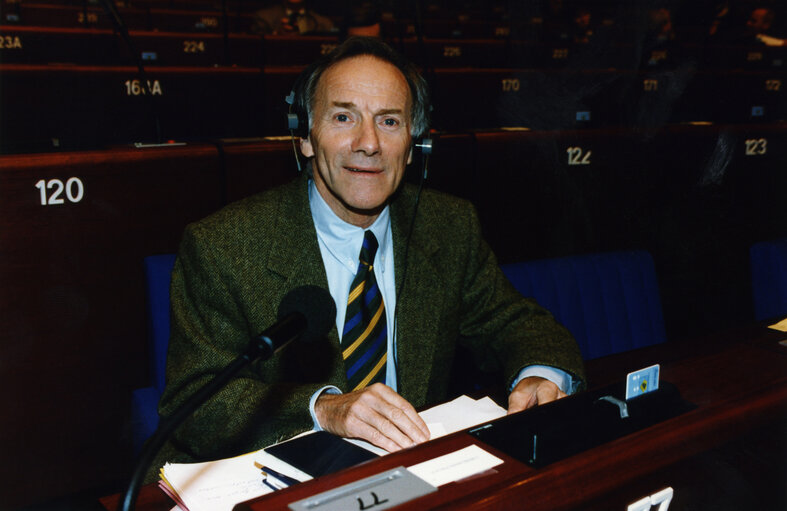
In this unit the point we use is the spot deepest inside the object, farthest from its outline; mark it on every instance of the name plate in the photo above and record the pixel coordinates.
(380, 491)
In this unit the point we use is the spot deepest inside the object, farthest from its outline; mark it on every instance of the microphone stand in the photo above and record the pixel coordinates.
(122, 30)
(262, 346)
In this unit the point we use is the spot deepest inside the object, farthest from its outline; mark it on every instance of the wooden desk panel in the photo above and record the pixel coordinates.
(73, 343)
(78, 107)
(737, 387)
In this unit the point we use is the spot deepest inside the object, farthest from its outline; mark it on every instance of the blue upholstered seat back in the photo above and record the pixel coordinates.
(610, 302)
(144, 401)
(769, 279)
(158, 274)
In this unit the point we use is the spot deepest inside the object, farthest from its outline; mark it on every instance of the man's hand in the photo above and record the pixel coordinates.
(532, 391)
(376, 414)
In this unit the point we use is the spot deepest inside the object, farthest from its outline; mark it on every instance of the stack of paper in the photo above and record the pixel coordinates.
(461, 413)
(219, 485)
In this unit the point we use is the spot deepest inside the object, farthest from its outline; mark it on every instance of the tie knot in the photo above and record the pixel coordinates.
(368, 248)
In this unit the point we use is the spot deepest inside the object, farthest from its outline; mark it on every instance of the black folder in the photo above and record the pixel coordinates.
(320, 453)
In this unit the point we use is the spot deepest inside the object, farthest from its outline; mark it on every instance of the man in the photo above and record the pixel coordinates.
(290, 17)
(432, 285)
(759, 25)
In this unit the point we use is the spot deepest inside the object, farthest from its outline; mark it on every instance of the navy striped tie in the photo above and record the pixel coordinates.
(365, 334)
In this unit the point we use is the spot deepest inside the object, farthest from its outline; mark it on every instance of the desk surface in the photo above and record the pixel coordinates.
(737, 386)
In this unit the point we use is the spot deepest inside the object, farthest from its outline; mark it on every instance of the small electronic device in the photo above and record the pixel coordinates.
(320, 453)
(642, 381)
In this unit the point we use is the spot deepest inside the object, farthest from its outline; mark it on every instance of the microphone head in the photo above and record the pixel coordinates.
(316, 305)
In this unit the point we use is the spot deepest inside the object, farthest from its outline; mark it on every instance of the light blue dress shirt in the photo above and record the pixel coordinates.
(340, 245)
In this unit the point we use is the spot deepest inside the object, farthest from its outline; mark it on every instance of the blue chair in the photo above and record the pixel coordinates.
(144, 401)
(769, 279)
(609, 302)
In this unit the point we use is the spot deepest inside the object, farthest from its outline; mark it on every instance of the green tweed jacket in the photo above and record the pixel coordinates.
(234, 268)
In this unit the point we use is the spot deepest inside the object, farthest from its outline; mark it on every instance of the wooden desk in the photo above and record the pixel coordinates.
(737, 387)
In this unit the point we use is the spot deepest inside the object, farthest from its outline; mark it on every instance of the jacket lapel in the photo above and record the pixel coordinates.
(295, 257)
(295, 254)
(418, 302)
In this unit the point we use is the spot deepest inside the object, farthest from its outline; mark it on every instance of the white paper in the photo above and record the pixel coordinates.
(461, 413)
(219, 485)
(455, 466)
(215, 485)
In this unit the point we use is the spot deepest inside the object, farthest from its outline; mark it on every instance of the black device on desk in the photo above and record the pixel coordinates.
(320, 453)
(548, 433)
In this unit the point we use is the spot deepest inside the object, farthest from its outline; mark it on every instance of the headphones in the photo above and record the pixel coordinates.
(295, 126)
(298, 125)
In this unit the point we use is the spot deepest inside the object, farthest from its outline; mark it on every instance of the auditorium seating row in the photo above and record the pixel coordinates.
(527, 22)
(142, 17)
(209, 17)
(102, 46)
(85, 107)
(78, 224)
(44, 45)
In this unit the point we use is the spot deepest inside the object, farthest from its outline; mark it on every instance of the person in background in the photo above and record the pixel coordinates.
(582, 30)
(291, 17)
(363, 19)
(759, 27)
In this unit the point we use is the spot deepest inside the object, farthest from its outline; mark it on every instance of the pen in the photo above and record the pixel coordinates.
(269, 485)
(289, 481)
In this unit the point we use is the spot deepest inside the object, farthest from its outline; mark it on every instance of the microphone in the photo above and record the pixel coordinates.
(307, 312)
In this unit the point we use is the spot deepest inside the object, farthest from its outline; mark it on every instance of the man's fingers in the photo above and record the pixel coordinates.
(383, 429)
(403, 415)
(399, 417)
(376, 414)
(533, 391)
(547, 393)
(371, 432)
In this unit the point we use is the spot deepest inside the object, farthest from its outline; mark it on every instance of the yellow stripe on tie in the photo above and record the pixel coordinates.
(352, 347)
(372, 373)
(355, 293)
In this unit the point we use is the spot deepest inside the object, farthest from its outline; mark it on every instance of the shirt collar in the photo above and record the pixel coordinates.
(343, 240)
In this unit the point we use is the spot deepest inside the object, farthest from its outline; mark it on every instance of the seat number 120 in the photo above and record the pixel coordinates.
(73, 188)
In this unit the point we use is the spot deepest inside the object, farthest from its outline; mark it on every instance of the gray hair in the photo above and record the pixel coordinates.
(306, 84)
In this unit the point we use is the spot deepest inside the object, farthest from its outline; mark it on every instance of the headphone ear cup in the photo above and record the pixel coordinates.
(293, 126)
(425, 144)
(293, 123)
(296, 125)
(425, 148)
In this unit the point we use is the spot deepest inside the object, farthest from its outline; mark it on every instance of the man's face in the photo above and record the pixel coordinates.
(759, 22)
(360, 136)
